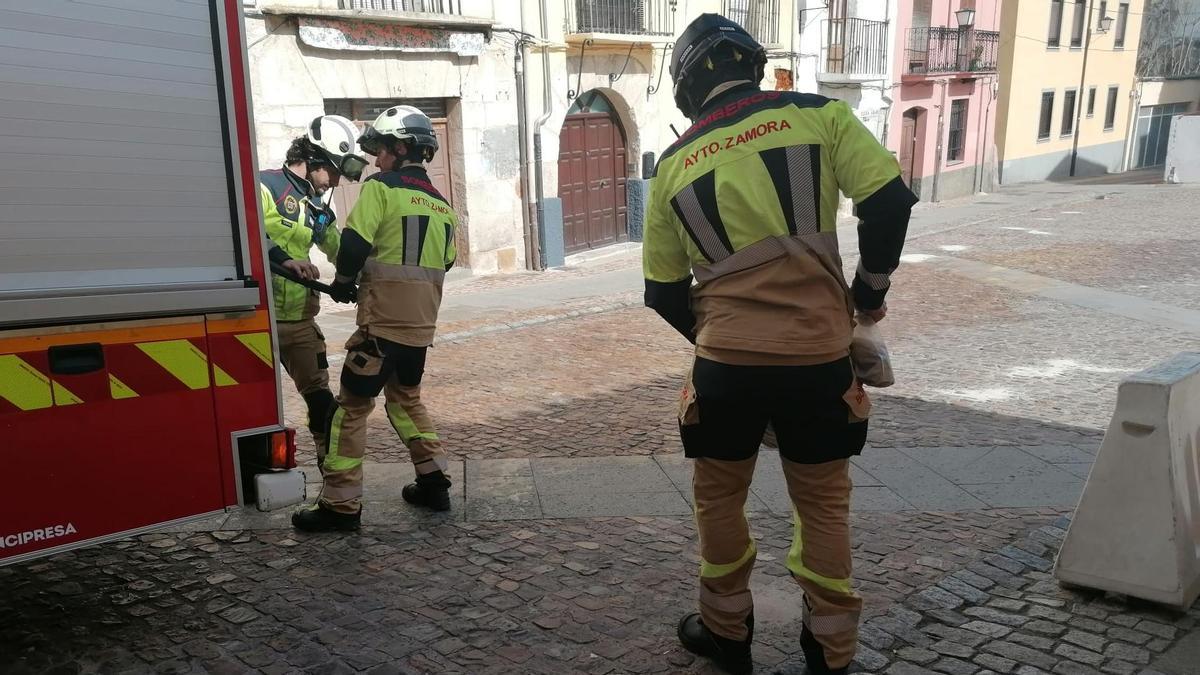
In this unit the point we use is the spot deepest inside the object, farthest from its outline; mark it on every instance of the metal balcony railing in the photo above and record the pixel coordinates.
(855, 47)
(425, 6)
(623, 17)
(952, 50)
(759, 17)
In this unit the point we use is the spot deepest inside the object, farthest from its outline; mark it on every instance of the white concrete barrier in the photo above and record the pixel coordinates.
(1137, 528)
(1183, 150)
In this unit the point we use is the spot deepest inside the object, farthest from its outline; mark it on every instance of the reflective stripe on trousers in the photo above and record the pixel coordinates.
(414, 426)
(727, 552)
(342, 468)
(819, 559)
(820, 556)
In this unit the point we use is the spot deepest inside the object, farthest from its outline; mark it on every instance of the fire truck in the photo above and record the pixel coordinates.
(139, 377)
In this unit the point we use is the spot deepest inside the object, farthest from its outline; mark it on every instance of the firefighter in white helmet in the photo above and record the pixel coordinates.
(296, 216)
(397, 246)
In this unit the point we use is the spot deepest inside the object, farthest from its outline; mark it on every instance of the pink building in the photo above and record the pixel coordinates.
(944, 106)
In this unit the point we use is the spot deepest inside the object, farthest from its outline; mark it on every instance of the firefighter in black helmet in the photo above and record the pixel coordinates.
(741, 257)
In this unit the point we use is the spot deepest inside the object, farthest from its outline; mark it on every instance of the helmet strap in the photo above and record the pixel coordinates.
(719, 72)
(406, 151)
(312, 165)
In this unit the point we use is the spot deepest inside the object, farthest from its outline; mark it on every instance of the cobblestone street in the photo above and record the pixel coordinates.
(571, 547)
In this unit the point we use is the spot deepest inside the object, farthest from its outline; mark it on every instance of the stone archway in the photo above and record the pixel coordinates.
(592, 171)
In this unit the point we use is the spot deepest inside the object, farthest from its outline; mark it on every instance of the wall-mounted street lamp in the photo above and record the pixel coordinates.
(1104, 24)
(966, 20)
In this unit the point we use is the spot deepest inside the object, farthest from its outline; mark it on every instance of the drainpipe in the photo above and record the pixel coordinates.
(937, 160)
(978, 142)
(1135, 98)
(538, 173)
(1087, 44)
(987, 121)
(885, 89)
(981, 134)
(792, 51)
(520, 72)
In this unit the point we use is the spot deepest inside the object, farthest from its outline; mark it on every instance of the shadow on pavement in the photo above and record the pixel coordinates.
(641, 420)
(1151, 176)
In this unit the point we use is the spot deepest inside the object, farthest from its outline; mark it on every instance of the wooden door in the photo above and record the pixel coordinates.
(908, 146)
(439, 168)
(572, 183)
(591, 166)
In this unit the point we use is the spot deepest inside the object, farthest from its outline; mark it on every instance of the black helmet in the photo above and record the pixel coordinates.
(697, 67)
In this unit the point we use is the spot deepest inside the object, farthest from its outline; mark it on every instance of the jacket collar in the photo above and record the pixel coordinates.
(415, 171)
(719, 97)
(300, 183)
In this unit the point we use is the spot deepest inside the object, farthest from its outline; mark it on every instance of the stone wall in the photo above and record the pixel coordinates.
(290, 82)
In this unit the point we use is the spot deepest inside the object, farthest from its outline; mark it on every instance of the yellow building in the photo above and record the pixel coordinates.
(1066, 73)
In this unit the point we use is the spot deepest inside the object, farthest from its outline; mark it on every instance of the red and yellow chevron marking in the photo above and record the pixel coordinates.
(25, 386)
(177, 357)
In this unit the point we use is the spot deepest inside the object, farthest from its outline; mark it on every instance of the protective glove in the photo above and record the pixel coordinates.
(343, 291)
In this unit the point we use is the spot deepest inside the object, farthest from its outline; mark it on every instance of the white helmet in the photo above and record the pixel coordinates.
(402, 122)
(334, 136)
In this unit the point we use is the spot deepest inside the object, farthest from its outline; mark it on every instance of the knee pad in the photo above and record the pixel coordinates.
(321, 405)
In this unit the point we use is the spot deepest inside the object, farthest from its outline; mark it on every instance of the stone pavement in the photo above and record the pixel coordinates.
(594, 595)
(949, 593)
(1005, 613)
(571, 545)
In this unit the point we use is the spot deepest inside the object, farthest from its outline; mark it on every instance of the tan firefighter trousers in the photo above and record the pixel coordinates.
(819, 559)
(373, 365)
(302, 352)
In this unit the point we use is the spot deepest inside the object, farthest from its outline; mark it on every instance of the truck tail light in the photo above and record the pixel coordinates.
(282, 446)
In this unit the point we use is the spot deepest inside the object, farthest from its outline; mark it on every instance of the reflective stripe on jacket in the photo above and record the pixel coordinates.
(293, 224)
(746, 202)
(410, 228)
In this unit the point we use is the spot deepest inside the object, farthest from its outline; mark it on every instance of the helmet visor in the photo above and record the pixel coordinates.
(371, 141)
(352, 166)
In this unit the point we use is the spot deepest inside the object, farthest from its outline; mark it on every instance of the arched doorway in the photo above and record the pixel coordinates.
(910, 143)
(591, 175)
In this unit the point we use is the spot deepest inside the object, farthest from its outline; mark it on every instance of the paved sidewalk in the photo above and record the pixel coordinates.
(888, 479)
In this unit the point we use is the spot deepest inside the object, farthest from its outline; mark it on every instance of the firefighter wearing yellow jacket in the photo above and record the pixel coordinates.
(397, 245)
(741, 256)
(295, 219)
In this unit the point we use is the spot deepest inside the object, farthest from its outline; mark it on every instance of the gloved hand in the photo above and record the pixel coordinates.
(302, 268)
(343, 291)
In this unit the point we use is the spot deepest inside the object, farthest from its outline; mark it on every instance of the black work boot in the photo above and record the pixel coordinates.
(731, 656)
(432, 490)
(814, 656)
(320, 518)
